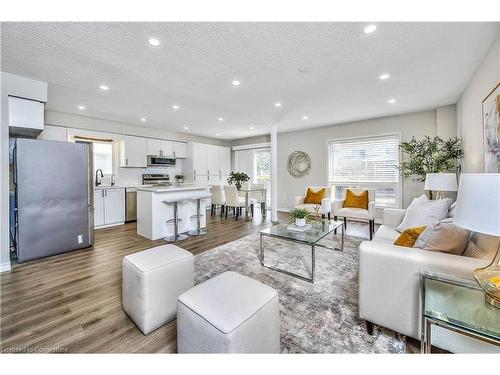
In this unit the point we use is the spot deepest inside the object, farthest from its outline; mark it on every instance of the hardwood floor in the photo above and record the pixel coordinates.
(72, 302)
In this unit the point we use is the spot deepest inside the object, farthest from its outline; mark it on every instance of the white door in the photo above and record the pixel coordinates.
(98, 207)
(133, 152)
(114, 206)
(153, 146)
(200, 164)
(225, 160)
(213, 160)
(167, 148)
(180, 149)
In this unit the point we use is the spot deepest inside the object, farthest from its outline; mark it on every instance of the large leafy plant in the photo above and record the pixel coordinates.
(237, 178)
(430, 155)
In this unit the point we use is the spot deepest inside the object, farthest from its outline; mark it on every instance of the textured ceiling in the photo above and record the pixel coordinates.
(429, 63)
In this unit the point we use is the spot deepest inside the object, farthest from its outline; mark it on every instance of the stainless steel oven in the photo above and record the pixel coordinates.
(160, 161)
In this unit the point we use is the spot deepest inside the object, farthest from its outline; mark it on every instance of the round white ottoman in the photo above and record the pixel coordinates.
(151, 282)
(229, 313)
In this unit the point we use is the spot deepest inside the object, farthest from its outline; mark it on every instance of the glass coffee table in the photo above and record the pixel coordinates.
(459, 306)
(310, 237)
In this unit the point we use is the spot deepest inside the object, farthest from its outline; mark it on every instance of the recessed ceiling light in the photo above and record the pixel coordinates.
(175, 106)
(143, 119)
(252, 127)
(217, 134)
(81, 107)
(277, 104)
(370, 29)
(391, 101)
(104, 87)
(154, 42)
(221, 119)
(236, 83)
(384, 76)
(186, 127)
(305, 118)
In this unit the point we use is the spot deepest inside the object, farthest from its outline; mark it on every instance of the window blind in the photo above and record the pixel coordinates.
(366, 162)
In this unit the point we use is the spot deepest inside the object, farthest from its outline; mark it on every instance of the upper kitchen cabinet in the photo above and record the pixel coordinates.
(180, 150)
(209, 160)
(159, 147)
(133, 152)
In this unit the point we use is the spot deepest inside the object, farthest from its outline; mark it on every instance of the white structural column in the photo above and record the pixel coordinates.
(274, 173)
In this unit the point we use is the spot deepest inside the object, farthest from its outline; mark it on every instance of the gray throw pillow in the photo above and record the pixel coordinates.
(443, 236)
(482, 246)
(423, 211)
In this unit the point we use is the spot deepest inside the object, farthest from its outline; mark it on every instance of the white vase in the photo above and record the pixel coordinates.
(300, 222)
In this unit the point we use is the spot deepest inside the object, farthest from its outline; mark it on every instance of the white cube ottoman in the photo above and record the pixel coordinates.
(151, 282)
(230, 313)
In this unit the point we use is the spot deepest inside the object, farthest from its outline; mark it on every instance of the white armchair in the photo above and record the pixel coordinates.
(356, 213)
(326, 203)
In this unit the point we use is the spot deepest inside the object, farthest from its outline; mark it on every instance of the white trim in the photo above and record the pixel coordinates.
(5, 267)
(400, 156)
(104, 226)
(252, 146)
(285, 209)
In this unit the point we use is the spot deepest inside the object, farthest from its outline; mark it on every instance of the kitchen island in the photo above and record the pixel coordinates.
(153, 214)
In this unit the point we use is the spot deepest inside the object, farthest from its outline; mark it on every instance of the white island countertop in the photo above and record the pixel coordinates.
(171, 188)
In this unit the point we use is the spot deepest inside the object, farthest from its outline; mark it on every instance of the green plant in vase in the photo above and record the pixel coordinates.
(300, 215)
(237, 178)
(430, 155)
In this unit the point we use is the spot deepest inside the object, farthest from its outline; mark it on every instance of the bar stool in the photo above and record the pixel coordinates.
(176, 236)
(199, 231)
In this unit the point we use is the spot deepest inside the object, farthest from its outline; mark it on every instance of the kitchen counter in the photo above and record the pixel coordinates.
(120, 186)
(154, 217)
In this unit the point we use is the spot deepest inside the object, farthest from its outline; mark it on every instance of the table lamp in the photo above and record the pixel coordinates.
(478, 210)
(440, 182)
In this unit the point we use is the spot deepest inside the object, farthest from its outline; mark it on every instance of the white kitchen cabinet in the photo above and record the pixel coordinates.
(109, 207)
(167, 149)
(98, 208)
(25, 113)
(114, 206)
(153, 146)
(133, 152)
(225, 161)
(200, 163)
(180, 149)
(213, 160)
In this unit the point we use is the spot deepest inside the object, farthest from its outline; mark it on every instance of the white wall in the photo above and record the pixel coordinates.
(314, 143)
(469, 108)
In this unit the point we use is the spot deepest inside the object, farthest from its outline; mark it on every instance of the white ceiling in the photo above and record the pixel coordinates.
(429, 64)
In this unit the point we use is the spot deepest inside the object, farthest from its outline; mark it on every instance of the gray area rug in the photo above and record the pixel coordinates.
(315, 318)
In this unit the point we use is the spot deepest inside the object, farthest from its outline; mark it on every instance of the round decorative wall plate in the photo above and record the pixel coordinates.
(299, 164)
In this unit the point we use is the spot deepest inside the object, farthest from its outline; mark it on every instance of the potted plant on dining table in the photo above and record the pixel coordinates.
(238, 178)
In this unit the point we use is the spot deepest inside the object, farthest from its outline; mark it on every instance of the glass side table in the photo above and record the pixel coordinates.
(458, 306)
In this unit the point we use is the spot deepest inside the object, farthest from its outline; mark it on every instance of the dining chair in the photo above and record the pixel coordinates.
(233, 200)
(218, 199)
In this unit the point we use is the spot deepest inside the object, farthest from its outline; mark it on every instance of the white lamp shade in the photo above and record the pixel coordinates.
(478, 203)
(441, 181)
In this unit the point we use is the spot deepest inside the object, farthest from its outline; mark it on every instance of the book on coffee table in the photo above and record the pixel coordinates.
(295, 228)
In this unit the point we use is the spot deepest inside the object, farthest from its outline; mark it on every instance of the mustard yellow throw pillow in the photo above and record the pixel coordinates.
(354, 200)
(409, 236)
(314, 197)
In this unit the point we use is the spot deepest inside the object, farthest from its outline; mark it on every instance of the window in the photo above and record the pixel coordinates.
(366, 162)
(262, 170)
(103, 157)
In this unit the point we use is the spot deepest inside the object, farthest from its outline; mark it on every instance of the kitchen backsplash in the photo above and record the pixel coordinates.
(134, 175)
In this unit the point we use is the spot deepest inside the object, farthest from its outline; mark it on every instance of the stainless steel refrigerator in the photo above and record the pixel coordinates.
(54, 197)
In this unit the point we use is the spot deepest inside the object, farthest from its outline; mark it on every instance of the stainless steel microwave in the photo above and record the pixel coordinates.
(159, 161)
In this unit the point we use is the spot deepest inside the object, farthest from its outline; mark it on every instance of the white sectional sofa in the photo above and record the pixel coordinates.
(389, 285)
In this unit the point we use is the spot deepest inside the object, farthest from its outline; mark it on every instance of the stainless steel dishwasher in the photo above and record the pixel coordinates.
(130, 204)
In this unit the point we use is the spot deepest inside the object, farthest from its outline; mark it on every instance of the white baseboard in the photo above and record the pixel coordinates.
(4, 267)
(284, 209)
